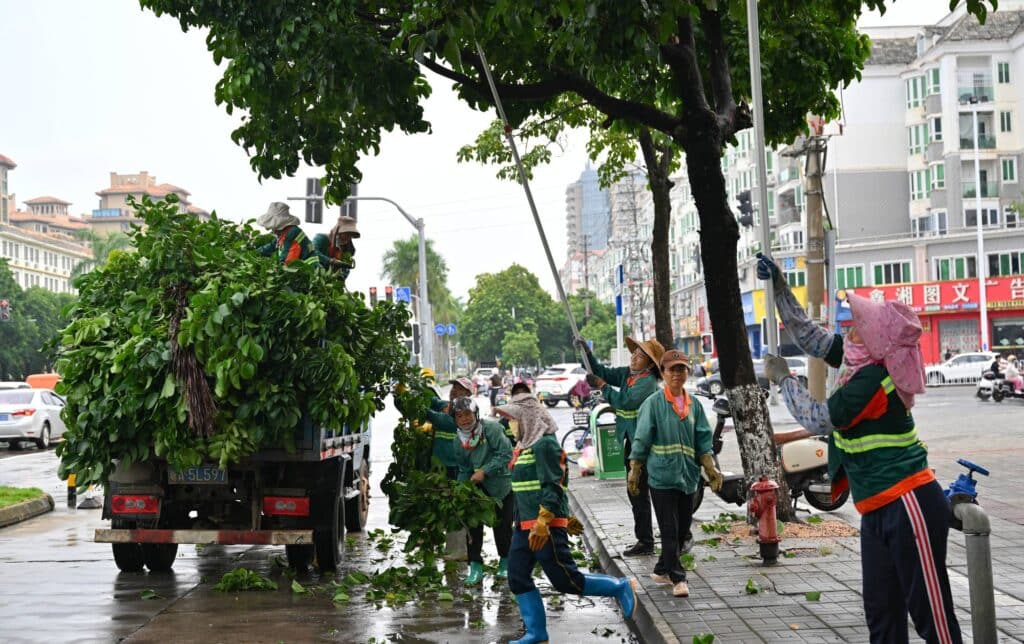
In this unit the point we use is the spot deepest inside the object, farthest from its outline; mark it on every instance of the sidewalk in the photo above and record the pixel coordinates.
(720, 605)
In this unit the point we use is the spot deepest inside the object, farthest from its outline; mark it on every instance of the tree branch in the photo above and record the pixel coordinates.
(718, 61)
(681, 57)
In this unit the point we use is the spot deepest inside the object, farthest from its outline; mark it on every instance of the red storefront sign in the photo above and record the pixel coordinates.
(928, 298)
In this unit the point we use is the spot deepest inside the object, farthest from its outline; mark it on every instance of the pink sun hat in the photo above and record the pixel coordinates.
(891, 332)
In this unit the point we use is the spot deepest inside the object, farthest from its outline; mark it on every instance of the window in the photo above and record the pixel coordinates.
(796, 278)
(1009, 170)
(933, 81)
(936, 129)
(1004, 73)
(849, 277)
(989, 217)
(938, 176)
(915, 91)
(917, 138)
(1012, 218)
(955, 268)
(919, 184)
(892, 273)
(1001, 264)
(1005, 122)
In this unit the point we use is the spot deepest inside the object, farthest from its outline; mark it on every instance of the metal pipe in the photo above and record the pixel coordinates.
(976, 529)
(754, 42)
(525, 181)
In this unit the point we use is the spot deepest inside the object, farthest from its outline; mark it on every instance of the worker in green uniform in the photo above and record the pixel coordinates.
(445, 429)
(625, 389)
(291, 244)
(673, 438)
(336, 249)
(483, 454)
(540, 480)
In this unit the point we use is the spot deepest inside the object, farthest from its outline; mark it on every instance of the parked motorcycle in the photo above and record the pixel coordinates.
(804, 462)
(996, 387)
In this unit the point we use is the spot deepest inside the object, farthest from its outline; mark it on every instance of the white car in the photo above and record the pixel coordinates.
(961, 369)
(30, 415)
(557, 381)
(798, 367)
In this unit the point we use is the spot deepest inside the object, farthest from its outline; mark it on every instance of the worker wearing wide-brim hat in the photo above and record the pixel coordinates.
(291, 243)
(336, 248)
(625, 389)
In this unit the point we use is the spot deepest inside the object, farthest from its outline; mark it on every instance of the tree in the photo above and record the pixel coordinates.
(599, 327)
(36, 317)
(321, 86)
(520, 347)
(401, 266)
(102, 246)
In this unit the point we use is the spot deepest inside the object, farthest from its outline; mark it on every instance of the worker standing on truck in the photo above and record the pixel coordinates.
(336, 249)
(625, 389)
(542, 527)
(291, 243)
(483, 454)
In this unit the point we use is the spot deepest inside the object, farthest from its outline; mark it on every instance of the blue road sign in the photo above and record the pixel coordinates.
(451, 329)
(439, 329)
(403, 294)
(788, 263)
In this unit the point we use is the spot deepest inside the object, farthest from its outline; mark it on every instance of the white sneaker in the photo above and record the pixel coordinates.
(681, 590)
(661, 579)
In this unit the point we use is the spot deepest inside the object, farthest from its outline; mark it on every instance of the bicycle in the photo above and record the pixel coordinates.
(579, 436)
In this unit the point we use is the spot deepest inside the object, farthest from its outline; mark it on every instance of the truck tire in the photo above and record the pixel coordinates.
(299, 557)
(127, 556)
(159, 557)
(329, 517)
(357, 508)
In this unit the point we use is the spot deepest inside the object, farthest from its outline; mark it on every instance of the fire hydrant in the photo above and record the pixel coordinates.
(762, 506)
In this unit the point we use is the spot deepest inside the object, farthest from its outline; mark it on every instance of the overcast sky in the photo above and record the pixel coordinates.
(101, 86)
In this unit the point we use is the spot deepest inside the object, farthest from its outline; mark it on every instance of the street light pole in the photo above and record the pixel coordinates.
(981, 264)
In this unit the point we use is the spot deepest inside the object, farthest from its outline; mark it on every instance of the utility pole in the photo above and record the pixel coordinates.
(815, 249)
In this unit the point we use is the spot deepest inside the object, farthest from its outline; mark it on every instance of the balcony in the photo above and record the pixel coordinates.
(985, 142)
(981, 93)
(989, 189)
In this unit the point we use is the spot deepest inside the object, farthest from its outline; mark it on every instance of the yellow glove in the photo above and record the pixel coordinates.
(539, 532)
(400, 388)
(633, 480)
(715, 479)
(575, 527)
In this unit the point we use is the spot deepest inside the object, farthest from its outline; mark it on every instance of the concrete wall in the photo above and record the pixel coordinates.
(871, 203)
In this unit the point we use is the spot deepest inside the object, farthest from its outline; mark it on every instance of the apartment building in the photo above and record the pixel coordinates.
(114, 214)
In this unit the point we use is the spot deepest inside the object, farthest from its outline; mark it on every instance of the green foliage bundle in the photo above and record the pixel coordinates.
(242, 579)
(195, 348)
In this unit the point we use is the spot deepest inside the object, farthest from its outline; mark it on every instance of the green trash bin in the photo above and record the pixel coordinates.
(610, 462)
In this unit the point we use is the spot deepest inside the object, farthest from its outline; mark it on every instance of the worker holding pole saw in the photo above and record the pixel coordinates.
(540, 534)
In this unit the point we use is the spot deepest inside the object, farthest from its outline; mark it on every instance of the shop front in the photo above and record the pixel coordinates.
(689, 340)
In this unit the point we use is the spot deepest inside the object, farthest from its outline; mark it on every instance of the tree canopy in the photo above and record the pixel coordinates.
(36, 316)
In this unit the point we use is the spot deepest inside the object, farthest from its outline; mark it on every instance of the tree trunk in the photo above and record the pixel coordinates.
(719, 234)
(657, 175)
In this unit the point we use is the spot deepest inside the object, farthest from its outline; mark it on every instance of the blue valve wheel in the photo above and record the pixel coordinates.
(972, 467)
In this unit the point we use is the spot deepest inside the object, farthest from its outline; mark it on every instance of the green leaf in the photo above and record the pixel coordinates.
(812, 596)
(445, 597)
(752, 587)
(703, 638)
(151, 594)
(341, 597)
(814, 519)
(298, 588)
(168, 388)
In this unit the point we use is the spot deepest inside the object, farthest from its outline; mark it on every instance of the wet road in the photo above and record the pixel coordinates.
(59, 586)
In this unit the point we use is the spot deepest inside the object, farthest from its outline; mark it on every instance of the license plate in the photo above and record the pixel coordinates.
(205, 475)
(4, 418)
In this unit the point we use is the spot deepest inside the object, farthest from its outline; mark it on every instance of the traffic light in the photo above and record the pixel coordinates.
(389, 294)
(707, 344)
(314, 207)
(5, 310)
(746, 208)
(373, 296)
(415, 338)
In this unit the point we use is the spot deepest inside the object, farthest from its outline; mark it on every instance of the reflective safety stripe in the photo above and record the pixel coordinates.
(875, 441)
(888, 385)
(526, 459)
(525, 486)
(444, 435)
(677, 448)
(627, 413)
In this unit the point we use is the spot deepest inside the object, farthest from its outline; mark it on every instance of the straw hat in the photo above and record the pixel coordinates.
(651, 348)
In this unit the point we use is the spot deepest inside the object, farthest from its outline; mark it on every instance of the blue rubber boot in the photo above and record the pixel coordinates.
(476, 573)
(502, 568)
(531, 608)
(620, 588)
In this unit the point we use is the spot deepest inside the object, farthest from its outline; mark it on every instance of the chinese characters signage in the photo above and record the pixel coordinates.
(1003, 293)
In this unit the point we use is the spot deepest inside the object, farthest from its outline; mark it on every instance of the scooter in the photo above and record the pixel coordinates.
(996, 387)
(804, 462)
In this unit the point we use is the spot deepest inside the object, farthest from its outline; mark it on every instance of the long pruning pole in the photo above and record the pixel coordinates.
(529, 198)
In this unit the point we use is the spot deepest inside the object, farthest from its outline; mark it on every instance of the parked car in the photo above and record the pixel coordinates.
(14, 384)
(557, 381)
(798, 367)
(962, 369)
(712, 385)
(30, 415)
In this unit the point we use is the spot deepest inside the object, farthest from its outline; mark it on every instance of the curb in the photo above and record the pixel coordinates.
(25, 510)
(649, 624)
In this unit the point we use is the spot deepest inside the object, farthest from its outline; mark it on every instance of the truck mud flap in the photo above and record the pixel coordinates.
(226, 537)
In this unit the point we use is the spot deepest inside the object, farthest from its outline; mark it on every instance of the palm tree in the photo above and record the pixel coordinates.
(102, 246)
(401, 267)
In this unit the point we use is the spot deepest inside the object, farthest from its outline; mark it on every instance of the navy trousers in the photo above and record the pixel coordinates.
(643, 528)
(555, 558)
(903, 560)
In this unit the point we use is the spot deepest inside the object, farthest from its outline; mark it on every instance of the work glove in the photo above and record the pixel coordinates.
(633, 480)
(595, 381)
(478, 476)
(715, 479)
(767, 269)
(539, 533)
(574, 527)
(775, 368)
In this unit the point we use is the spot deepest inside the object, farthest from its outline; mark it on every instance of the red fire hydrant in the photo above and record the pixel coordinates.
(762, 506)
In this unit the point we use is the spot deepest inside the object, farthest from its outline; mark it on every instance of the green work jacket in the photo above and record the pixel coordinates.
(625, 393)
(444, 432)
(492, 455)
(540, 478)
(671, 446)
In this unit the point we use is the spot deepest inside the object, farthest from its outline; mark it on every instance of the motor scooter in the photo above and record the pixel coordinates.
(996, 387)
(804, 462)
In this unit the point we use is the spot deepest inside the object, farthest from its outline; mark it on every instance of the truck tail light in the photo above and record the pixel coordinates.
(290, 506)
(560, 378)
(134, 504)
(23, 412)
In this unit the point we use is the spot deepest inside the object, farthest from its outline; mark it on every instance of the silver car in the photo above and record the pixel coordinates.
(30, 415)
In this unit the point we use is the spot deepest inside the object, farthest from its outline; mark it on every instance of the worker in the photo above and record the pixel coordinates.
(445, 429)
(507, 423)
(875, 452)
(291, 243)
(336, 250)
(625, 389)
(483, 454)
(542, 527)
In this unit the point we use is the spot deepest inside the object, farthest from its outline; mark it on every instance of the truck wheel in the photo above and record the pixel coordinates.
(329, 517)
(551, 403)
(299, 556)
(159, 557)
(127, 556)
(357, 508)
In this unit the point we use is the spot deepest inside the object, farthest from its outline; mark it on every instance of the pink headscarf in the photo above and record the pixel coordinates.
(890, 331)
